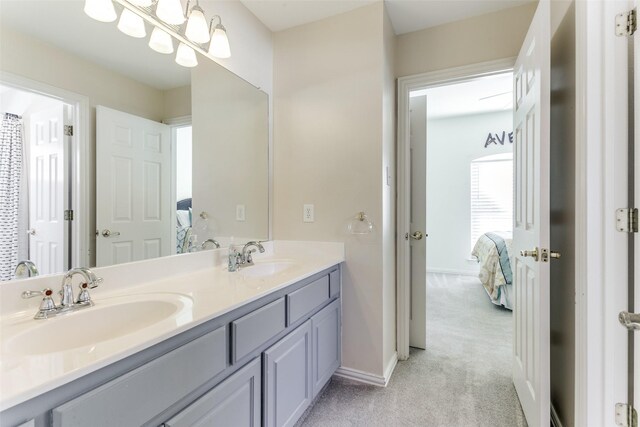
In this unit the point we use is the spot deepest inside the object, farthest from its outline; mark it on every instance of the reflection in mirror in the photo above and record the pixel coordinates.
(111, 152)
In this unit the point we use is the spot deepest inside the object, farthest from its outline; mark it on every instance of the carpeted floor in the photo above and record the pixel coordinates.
(462, 379)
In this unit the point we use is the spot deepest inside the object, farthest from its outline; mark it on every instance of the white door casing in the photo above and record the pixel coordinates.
(48, 190)
(133, 183)
(418, 149)
(531, 220)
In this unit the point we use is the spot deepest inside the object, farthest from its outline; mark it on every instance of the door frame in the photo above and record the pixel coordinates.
(175, 124)
(405, 86)
(601, 344)
(80, 155)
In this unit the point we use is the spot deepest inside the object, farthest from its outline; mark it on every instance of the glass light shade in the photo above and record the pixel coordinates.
(186, 56)
(219, 46)
(197, 28)
(142, 3)
(100, 10)
(360, 224)
(170, 11)
(131, 24)
(160, 41)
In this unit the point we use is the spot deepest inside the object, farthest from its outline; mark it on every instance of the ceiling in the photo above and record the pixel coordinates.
(481, 95)
(406, 15)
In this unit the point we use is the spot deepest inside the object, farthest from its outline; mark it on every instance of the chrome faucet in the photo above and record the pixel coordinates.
(25, 269)
(238, 259)
(67, 303)
(247, 259)
(214, 242)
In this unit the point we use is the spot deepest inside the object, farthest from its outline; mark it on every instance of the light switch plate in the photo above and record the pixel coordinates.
(240, 213)
(307, 213)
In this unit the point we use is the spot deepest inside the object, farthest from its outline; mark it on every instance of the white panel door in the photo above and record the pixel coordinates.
(531, 222)
(133, 183)
(48, 194)
(418, 245)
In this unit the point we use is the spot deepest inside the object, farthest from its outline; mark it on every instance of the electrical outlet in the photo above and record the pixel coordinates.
(239, 212)
(307, 213)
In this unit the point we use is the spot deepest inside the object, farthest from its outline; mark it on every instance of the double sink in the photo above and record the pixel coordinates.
(112, 318)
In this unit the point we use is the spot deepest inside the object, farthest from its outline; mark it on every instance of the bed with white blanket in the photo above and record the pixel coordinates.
(493, 253)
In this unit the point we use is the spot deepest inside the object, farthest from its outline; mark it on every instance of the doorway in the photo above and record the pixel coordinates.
(38, 133)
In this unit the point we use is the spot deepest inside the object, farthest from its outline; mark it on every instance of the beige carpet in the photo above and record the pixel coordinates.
(463, 378)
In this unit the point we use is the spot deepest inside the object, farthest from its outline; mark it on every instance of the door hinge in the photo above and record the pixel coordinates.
(626, 415)
(68, 215)
(627, 220)
(68, 130)
(626, 23)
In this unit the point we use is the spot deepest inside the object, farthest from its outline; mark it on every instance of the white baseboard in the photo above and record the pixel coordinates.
(368, 378)
(555, 420)
(453, 271)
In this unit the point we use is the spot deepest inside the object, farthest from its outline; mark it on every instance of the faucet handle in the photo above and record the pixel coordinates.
(96, 282)
(83, 296)
(47, 305)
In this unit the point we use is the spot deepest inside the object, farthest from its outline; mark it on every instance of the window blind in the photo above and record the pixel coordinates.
(491, 195)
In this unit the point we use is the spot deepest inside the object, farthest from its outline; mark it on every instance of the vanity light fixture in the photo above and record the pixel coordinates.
(161, 41)
(186, 56)
(197, 29)
(100, 10)
(170, 11)
(167, 19)
(131, 24)
(219, 46)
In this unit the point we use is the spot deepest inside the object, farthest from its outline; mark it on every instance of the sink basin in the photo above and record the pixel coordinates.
(267, 268)
(108, 319)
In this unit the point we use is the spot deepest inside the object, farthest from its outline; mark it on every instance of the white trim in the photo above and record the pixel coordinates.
(453, 271)
(81, 154)
(555, 420)
(368, 378)
(178, 121)
(601, 260)
(406, 85)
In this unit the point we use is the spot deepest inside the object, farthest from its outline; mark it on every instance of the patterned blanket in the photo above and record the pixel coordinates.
(492, 251)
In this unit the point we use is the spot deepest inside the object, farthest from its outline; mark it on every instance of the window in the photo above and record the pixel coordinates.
(491, 195)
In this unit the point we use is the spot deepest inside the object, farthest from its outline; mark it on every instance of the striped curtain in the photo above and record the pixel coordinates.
(10, 176)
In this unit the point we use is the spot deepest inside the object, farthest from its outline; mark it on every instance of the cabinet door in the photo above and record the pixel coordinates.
(325, 333)
(287, 378)
(234, 402)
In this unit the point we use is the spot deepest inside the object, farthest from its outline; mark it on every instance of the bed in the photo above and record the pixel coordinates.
(183, 226)
(493, 252)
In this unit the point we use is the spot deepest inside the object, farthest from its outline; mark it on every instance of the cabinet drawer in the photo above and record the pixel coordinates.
(235, 402)
(256, 328)
(305, 299)
(145, 392)
(334, 283)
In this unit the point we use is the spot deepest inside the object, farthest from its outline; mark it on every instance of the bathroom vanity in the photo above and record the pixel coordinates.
(254, 347)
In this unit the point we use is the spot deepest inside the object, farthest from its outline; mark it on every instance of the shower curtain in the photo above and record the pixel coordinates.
(11, 148)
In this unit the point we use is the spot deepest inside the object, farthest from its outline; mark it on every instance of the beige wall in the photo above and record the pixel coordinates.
(331, 150)
(177, 102)
(488, 37)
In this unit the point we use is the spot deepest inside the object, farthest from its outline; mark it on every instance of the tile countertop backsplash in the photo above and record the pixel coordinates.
(201, 277)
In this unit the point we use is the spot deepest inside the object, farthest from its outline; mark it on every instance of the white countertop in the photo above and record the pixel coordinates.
(203, 286)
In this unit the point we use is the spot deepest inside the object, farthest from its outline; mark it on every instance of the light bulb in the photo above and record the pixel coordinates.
(186, 56)
(142, 3)
(197, 29)
(160, 41)
(131, 24)
(100, 10)
(219, 46)
(170, 11)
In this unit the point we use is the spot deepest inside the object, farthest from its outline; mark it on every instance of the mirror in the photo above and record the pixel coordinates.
(163, 159)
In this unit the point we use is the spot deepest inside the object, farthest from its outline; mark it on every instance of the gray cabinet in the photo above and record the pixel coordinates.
(138, 396)
(256, 328)
(235, 402)
(325, 333)
(287, 378)
(305, 300)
